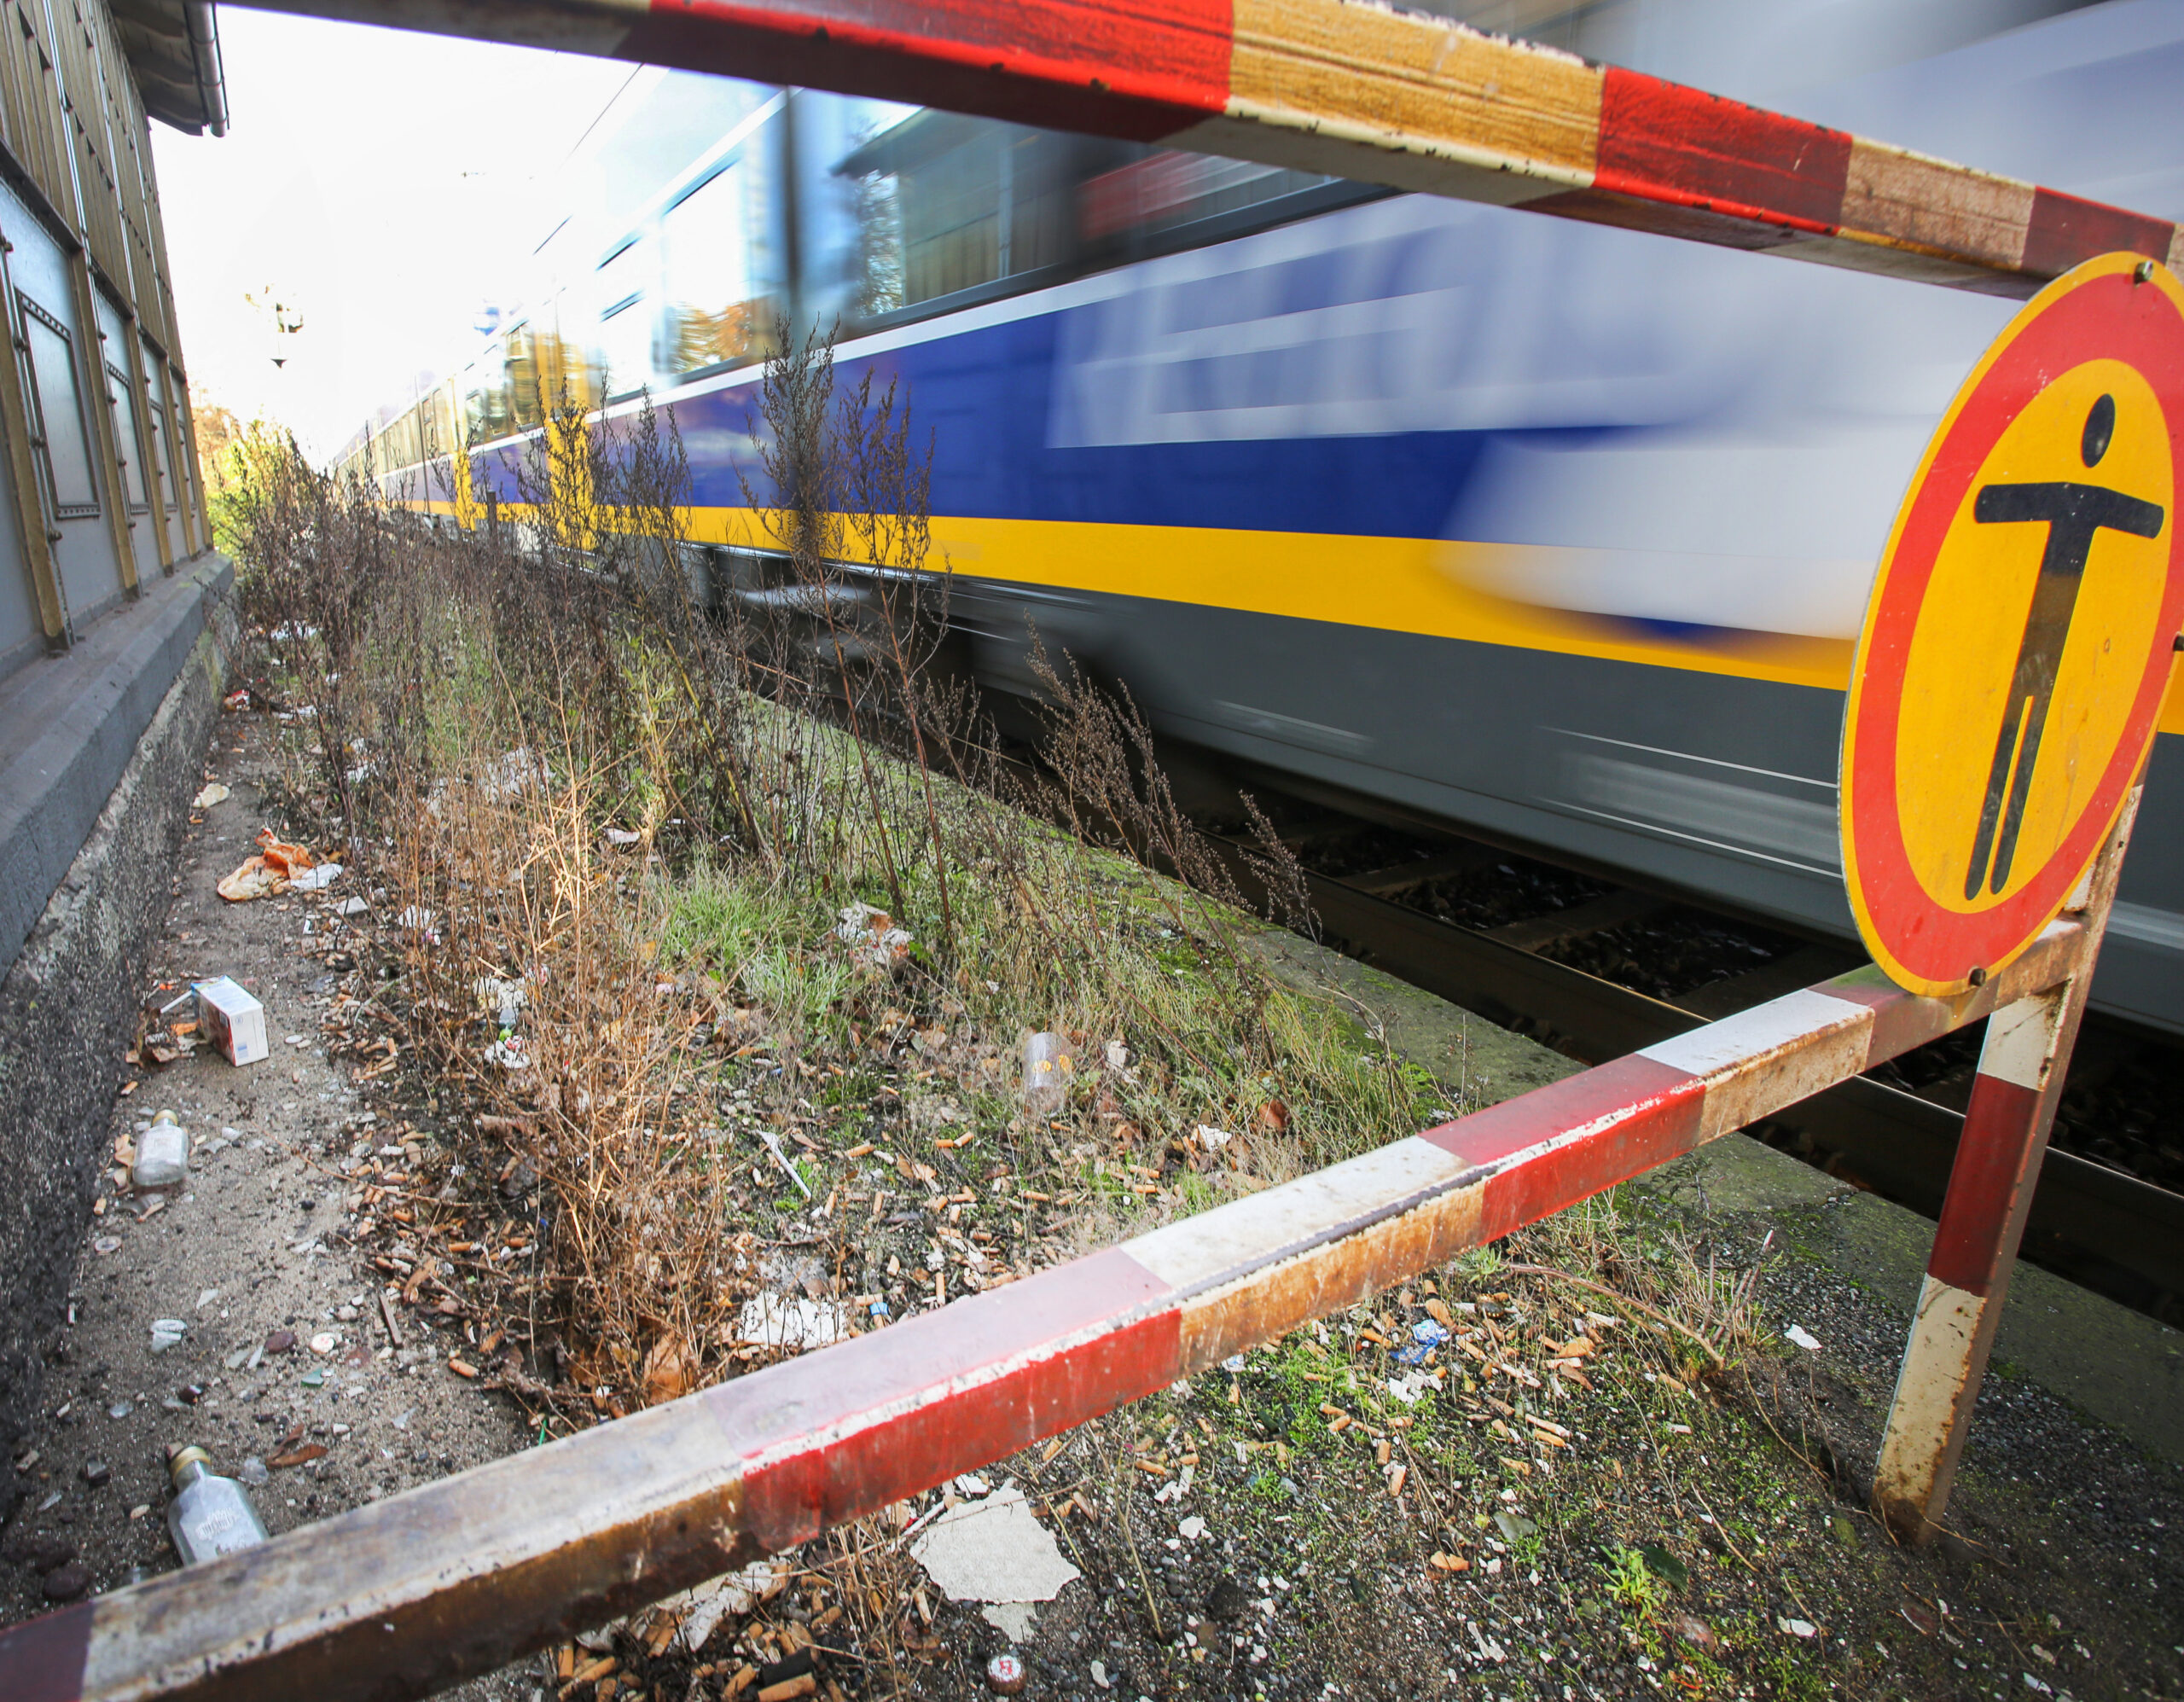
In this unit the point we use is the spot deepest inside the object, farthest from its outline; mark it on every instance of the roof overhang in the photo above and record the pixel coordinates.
(174, 48)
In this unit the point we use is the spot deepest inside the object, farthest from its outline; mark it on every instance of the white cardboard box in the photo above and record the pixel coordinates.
(232, 1020)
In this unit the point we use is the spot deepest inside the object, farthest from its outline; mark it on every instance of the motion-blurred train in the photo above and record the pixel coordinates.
(1554, 533)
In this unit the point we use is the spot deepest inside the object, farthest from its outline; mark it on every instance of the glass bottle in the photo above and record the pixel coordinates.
(162, 1153)
(210, 1515)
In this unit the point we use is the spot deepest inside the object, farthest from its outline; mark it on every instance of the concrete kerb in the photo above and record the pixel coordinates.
(67, 999)
(1465, 1054)
(73, 724)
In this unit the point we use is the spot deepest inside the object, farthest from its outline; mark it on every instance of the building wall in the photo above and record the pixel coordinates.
(68, 999)
(114, 629)
(93, 423)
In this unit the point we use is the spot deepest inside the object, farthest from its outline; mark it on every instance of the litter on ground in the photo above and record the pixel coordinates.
(875, 939)
(995, 1551)
(790, 1321)
(271, 872)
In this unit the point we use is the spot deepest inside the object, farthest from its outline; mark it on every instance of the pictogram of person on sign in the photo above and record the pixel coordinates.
(2072, 512)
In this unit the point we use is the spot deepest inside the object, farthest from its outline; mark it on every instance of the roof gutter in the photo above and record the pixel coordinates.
(205, 54)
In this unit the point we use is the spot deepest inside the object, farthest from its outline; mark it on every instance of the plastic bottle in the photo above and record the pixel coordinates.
(162, 1153)
(1049, 1069)
(210, 1515)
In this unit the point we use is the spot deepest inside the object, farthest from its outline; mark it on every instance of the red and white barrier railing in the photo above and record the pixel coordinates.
(1366, 92)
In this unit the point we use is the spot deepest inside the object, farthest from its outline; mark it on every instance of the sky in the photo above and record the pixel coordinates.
(383, 187)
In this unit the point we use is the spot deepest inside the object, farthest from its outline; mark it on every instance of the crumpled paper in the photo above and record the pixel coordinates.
(269, 873)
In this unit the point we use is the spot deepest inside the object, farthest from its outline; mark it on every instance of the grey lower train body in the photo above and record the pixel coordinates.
(1711, 785)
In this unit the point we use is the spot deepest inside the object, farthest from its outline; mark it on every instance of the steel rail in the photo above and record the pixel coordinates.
(405, 1595)
(1366, 92)
(2109, 1231)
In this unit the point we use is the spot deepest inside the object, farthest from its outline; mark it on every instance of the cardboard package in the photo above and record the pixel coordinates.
(232, 1020)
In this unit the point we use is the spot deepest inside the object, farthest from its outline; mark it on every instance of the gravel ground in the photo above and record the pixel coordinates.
(1673, 954)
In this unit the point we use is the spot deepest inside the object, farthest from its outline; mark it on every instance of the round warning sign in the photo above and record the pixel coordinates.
(2018, 642)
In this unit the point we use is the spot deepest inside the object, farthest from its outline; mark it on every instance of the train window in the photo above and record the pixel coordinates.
(724, 283)
(519, 370)
(622, 346)
(485, 405)
(948, 204)
(59, 431)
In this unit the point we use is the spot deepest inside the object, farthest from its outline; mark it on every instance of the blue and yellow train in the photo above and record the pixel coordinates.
(1556, 533)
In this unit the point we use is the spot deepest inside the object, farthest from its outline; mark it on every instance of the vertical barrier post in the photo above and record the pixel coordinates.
(2022, 1063)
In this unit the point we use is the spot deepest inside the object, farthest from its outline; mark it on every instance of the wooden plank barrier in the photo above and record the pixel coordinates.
(1364, 91)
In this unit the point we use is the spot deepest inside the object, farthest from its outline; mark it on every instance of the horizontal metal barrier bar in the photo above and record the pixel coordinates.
(1369, 93)
(410, 1594)
(1899, 1143)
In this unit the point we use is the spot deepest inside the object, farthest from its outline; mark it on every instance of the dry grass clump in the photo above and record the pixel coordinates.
(1705, 1315)
(725, 927)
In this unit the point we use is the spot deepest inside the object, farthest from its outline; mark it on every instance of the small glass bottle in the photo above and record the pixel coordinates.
(162, 1153)
(210, 1515)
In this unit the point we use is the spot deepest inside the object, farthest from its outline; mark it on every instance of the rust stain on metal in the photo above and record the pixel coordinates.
(1274, 1300)
(474, 1572)
(1938, 1376)
(1782, 1074)
(1903, 1021)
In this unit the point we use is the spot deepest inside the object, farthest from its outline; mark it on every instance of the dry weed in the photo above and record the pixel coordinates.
(618, 830)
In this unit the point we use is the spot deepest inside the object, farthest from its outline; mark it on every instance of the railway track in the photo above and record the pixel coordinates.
(1520, 943)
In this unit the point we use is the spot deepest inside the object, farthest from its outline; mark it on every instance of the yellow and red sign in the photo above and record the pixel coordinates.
(2018, 642)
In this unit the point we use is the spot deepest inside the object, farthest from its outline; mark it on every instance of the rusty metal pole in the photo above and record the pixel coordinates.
(2022, 1063)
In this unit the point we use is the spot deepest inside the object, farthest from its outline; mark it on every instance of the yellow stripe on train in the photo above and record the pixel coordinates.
(1395, 584)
